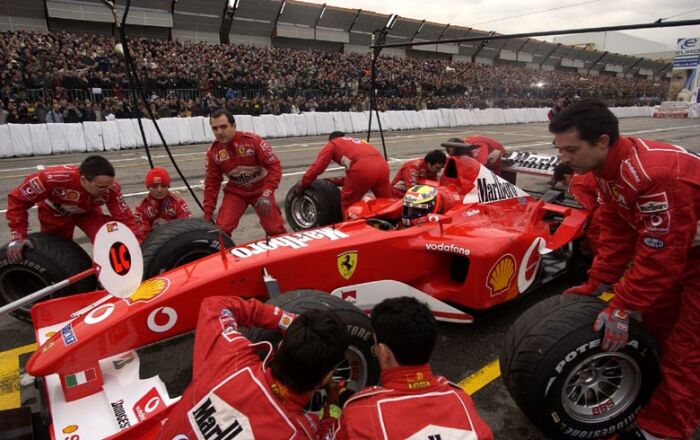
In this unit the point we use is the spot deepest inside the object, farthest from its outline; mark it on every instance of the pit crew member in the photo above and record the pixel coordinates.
(485, 150)
(418, 169)
(650, 207)
(412, 402)
(67, 196)
(365, 167)
(253, 170)
(160, 205)
(234, 393)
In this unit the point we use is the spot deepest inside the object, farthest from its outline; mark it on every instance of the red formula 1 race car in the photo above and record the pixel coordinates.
(496, 242)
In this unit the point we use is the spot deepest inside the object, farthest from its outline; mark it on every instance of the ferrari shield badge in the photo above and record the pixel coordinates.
(347, 263)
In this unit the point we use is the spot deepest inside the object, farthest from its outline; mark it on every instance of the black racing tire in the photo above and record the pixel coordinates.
(361, 367)
(53, 259)
(556, 373)
(318, 206)
(178, 242)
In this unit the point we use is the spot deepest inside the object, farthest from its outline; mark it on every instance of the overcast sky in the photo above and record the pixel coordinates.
(582, 13)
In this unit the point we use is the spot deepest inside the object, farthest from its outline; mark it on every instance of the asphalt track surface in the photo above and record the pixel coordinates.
(463, 351)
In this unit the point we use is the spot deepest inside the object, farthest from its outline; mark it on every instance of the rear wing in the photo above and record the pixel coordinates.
(524, 162)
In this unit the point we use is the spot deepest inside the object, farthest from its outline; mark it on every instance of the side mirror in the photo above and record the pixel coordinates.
(440, 218)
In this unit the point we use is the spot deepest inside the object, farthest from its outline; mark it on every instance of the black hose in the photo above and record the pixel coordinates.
(135, 85)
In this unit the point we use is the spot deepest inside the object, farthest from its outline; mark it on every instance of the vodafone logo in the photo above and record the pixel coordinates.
(99, 314)
(162, 319)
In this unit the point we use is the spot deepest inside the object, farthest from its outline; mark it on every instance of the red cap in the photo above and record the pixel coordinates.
(157, 176)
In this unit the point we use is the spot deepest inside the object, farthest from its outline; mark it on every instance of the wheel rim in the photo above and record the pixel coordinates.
(601, 387)
(18, 282)
(304, 212)
(352, 370)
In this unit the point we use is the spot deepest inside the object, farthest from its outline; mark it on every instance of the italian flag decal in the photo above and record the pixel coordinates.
(73, 380)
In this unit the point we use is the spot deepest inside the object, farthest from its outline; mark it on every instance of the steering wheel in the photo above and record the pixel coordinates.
(379, 223)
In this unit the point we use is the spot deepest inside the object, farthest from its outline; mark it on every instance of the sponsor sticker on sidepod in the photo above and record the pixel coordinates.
(294, 241)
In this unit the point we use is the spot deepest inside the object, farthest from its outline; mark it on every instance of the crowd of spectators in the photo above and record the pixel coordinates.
(64, 77)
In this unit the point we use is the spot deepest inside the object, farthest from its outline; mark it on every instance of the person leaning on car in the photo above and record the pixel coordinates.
(414, 170)
(254, 173)
(412, 402)
(649, 212)
(235, 394)
(67, 196)
(485, 150)
(366, 169)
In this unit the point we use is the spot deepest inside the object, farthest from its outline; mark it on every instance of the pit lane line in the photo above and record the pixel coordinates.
(492, 371)
(9, 376)
(201, 185)
(278, 148)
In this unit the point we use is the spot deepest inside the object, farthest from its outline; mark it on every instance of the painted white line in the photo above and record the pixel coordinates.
(181, 188)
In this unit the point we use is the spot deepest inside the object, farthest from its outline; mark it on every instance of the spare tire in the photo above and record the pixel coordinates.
(53, 259)
(178, 242)
(360, 368)
(559, 377)
(318, 206)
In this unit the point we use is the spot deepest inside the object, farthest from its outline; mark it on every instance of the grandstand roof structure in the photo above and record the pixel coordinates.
(293, 23)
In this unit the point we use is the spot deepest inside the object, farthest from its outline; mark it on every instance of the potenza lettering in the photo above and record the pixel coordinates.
(294, 241)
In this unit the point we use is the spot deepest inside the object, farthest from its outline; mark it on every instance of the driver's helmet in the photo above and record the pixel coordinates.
(418, 202)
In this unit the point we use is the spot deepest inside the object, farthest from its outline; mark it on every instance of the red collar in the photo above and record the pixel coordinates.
(409, 378)
(616, 153)
(291, 400)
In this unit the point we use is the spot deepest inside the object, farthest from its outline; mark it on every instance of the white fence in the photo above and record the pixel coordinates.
(39, 139)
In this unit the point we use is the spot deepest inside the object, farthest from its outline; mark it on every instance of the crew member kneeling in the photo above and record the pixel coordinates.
(234, 392)
(160, 205)
(412, 402)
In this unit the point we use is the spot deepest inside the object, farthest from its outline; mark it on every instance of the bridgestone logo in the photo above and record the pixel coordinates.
(450, 248)
(491, 192)
(294, 241)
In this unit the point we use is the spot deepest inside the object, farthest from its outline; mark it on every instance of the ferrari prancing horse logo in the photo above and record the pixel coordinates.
(347, 263)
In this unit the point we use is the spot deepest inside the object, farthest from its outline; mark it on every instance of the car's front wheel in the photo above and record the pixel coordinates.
(557, 374)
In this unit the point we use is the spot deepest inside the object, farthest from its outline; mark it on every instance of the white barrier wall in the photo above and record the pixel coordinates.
(40, 139)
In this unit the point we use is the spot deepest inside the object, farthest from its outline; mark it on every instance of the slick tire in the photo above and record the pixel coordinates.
(360, 368)
(318, 206)
(178, 242)
(556, 373)
(53, 259)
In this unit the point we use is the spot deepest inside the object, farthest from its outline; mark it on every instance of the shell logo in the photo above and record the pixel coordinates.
(70, 429)
(148, 290)
(500, 277)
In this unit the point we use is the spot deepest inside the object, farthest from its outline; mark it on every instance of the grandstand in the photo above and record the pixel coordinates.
(287, 23)
(285, 57)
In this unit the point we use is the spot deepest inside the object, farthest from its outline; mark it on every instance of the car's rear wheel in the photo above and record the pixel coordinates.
(179, 242)
(559, 377)
(319, 205)
(360, 367)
